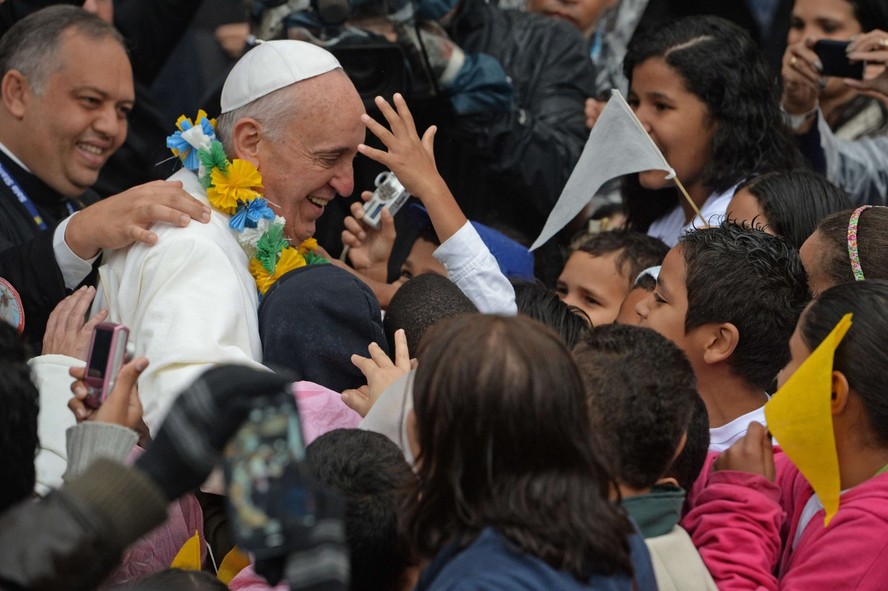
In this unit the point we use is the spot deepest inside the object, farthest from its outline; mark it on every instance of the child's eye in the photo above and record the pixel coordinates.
(661, 106)
(658, 299)
(406, 275)
(561, 290)
(591, 301)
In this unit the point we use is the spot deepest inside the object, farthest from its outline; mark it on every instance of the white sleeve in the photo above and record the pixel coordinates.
(54, 384)
(188, 309)
(859, 166)
(475, 271)
(74, 269)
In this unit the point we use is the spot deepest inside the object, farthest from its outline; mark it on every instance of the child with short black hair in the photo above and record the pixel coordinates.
(421, 303)
(759, 523)
(373, 477)
(729, 296)
(641, 392)
(536, 301)
(600, 271)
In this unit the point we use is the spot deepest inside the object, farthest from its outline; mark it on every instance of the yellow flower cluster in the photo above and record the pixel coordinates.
(291, 258)
(241, 182)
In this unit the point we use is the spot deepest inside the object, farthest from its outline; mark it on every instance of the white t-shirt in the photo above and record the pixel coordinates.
(721, 438)
(672, 225)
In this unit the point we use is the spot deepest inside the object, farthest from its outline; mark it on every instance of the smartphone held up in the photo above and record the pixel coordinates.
(833, 56)
(107, 353)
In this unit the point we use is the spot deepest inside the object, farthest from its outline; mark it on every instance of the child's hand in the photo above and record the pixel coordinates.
(369, 249)
(380, 372)
(411, 159)
(753, 453)
(121, 407)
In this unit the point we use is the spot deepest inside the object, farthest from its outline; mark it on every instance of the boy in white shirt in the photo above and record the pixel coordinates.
(729, 296)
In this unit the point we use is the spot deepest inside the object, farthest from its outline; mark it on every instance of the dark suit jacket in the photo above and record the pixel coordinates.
(27, 259)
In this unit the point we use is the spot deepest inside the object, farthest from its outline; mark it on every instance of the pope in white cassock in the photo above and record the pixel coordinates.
(190, 301)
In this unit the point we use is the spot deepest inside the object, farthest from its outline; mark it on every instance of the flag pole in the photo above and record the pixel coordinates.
(691, 201)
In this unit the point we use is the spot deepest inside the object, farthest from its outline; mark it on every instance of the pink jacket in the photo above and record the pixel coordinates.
(743, 525)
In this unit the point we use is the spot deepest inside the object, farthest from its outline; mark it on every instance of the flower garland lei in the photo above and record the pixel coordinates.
(234, 187)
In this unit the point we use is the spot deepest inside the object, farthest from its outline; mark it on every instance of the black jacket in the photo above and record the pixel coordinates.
(151, 29)
(27, 259)
(508, 169)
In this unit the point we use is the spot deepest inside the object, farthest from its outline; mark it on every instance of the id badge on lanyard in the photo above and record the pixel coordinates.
(24, 199)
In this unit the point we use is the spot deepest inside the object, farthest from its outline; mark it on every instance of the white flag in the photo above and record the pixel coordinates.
(618, 145)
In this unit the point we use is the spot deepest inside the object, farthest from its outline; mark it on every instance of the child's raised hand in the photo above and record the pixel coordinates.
(411, 159)
(753, 453)
(380, 372)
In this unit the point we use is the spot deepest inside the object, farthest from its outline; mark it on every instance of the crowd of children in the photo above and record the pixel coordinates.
(450, 422)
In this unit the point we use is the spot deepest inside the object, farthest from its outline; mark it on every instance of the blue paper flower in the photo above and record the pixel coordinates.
(249, 214)
(186, 141)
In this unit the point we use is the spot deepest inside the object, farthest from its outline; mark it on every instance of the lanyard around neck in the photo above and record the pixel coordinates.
(25, 200)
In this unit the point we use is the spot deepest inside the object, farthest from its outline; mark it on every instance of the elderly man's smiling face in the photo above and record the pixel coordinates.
(311, 162)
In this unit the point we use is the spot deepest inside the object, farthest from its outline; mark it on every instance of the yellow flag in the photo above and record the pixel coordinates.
(799, 416)
(233, 563)
(188, 557)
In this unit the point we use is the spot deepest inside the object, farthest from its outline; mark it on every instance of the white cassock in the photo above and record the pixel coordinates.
(189, 302)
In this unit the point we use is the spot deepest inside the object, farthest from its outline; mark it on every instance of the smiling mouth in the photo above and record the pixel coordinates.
(320, 202)
(91, 149)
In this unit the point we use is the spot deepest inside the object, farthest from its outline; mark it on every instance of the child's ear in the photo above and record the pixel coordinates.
(681, 445)
(720, 341)
(840, 391)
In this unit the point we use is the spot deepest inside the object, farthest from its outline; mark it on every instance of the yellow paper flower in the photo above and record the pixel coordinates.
(201, 114)
(241, 182)
(308, 245)
(290, 259)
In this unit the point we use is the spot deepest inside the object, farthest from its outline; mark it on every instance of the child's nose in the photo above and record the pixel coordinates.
(643, 307)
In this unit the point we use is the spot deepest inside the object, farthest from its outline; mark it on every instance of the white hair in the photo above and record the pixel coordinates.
(273, 112)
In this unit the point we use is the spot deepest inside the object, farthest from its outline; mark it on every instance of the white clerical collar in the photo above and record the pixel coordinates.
(14, 158)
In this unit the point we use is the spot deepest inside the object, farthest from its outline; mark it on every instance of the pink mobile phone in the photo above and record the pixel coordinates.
(107, 352)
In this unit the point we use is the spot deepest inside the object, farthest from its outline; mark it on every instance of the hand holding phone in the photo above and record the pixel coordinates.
(390, 194)
(833, 56)
(107, 353)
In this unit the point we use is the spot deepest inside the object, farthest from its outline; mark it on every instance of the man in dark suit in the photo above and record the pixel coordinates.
(66, 88)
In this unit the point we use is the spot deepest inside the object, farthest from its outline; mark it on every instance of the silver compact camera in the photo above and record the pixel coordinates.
(390, 194)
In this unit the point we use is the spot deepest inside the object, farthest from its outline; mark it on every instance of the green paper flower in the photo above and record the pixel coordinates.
(313, 258)
(214, 157)
(270, 246)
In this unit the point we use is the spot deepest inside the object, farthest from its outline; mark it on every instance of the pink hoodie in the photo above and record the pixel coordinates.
(744, 525)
